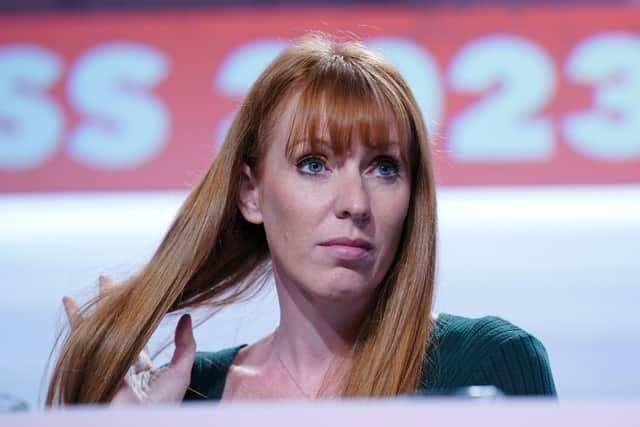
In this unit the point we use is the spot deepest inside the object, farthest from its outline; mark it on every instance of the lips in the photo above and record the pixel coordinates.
(347, 249)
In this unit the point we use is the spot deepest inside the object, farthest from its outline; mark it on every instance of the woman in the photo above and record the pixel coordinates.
(325, 180)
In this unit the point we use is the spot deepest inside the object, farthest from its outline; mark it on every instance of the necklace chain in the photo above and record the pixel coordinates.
(297, 384)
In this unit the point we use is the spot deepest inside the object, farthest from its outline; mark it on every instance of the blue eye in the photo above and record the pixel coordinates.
(311, 165)
(386, 168)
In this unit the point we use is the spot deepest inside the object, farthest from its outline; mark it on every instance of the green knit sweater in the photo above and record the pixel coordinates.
(463, 352)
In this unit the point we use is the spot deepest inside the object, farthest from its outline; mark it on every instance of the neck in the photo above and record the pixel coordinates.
(313, 333)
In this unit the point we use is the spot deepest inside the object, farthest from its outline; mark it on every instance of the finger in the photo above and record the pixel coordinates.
(185, 351)
(104, 284)
(72, 310)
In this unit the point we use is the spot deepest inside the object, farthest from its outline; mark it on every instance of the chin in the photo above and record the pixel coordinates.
(337, 292)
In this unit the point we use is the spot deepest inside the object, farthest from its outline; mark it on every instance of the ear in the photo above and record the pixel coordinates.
(249, 196)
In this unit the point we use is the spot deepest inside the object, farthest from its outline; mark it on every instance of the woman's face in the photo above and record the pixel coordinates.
(333, 222)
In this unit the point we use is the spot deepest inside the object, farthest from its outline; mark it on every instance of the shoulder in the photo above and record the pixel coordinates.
(484, 332)
(209, 373)
(487, 351)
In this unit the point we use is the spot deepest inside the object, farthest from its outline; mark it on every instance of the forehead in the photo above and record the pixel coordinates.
(310, 120)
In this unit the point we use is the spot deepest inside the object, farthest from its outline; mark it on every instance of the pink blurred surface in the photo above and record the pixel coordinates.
(369, 413)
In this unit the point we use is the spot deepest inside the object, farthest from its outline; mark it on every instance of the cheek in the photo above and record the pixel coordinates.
(287, 211)
(390, 211)
(392, 216)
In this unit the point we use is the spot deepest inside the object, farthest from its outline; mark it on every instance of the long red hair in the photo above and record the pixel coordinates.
(212, 257)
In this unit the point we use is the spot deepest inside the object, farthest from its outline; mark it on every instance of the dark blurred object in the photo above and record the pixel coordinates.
(88, 5)
(9, 403)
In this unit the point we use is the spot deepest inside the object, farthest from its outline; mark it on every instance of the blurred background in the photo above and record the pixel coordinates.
(110, 110)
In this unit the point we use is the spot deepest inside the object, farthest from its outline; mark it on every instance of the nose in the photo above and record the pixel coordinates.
(352, 199)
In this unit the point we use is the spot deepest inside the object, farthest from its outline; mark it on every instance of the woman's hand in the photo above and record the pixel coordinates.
(143, 384)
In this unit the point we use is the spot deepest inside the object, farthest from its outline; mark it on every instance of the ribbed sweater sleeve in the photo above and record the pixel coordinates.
(487, 351)
(517, 366)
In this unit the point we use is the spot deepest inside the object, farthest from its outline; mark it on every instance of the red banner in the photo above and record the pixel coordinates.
(119, 101)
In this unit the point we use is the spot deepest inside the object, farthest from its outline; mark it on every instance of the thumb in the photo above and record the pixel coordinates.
(185, 351)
